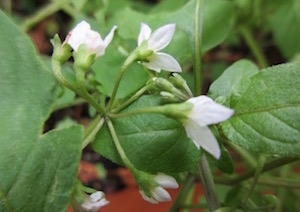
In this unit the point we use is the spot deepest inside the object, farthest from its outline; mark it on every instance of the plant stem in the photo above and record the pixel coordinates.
(278, 181)
(130, 59)
(117, 143)
(77, 101)
(260, 165)
(267, 167)
(92, 130)
(253, 45)
(131, 99)
(80, 77)
(56, 66)
(180, 198)
(208, 184)
(43, 13)
(197, 47)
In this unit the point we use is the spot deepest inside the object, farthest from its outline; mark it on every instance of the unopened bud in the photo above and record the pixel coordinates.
(61, 52)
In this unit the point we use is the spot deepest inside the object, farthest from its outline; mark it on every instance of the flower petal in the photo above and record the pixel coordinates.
(94, 43)
(159, 61)
(110, 36)
(166, 181)
(161, 37)
(145, 33)
(148, 199)
(161, 195)
(203, 138)
(94, 201)
(78, 34)
(206, 111)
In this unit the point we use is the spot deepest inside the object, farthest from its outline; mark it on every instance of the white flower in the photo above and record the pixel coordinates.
(82, 34)
(156, 41)
(94, 201)
(205, 112)
(158, 193)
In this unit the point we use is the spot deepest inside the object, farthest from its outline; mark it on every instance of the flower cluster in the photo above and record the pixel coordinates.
(195, 114)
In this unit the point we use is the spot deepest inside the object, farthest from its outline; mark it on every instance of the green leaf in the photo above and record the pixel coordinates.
(267, 112)
(285, 25)
(107, 70)
(230, 79)
(36, 172)
(47, 174)
(218, 19)
(152, 142)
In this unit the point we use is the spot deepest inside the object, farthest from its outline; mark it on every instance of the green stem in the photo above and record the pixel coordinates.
(92, 130)
(131, 99)
(180, 198)
(244, 154)
(208, 184)
(130, 59)
(197, 48)
(253, 45)
(157, 110)
(43, 13)
(267, 167)
(259, 168)
(77, 101)
(56, 66)
(278, 181)
(117, 143)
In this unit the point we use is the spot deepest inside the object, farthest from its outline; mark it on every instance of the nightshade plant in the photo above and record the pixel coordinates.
(147, 107)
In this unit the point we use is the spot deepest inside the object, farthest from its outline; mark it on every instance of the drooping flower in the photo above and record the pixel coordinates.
(94, 201)
(158, 192)
(205, 112)
(82, 34)
(151, 43)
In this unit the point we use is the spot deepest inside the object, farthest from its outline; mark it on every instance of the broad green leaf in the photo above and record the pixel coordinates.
(285, 25)
(47, 174)
(107, 70)
(267, 112)
(152, 142)
(231, 78)
(32, 175)
(217, 21)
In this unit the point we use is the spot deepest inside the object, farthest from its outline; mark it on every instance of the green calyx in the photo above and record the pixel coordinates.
(61, 52)
(83, 59)
(145, 181)
(143, 53)
(179, 111)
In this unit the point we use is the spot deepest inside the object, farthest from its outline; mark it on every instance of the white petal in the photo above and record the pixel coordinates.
(206, 111)
(161, 37)
(203, 138)
(161, 194)
(97, 196)
(94, 43)
(78, 34)
(110, 36)
(148, 199)
(162, 61)
(145, 33)
(166, 181)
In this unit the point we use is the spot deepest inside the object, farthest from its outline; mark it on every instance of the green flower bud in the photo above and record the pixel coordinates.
(61, 52)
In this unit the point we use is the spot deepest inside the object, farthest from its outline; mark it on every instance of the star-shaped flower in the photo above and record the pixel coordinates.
(203, 113)
(152, 43)
(82, 34)
(158, 192)
(94, 201)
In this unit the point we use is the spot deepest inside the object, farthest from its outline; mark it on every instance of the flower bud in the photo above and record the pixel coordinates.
(61, 52)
